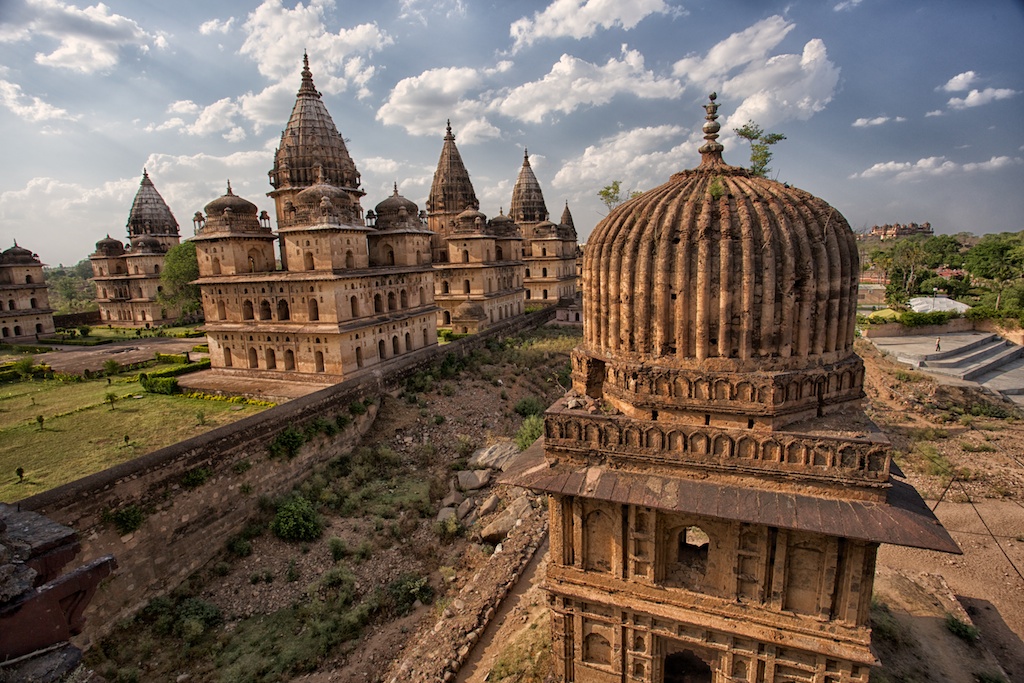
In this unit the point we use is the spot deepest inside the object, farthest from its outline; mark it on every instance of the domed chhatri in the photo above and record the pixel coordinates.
(231, 213)
(719, 272)
(709, 520)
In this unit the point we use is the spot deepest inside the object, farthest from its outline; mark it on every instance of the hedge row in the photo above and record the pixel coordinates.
(203, 364)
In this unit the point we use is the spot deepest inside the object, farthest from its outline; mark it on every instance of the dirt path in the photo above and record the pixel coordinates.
(519, 609)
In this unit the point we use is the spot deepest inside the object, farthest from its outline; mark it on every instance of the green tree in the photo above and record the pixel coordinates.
(943, 250)
(71, 290)
(181, 269)
(21, 474)
(998, 258)
(111, 398)
(39, 420)
(612, 195)
(23, 366)
(760, 146)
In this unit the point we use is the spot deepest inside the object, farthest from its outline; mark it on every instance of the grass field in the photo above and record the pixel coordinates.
(81, 434)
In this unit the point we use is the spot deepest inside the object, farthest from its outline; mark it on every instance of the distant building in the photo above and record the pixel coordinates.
(348, 295)
(891, 232)
(128, 280)
(478, 263)
(24, 304)
(549, 249)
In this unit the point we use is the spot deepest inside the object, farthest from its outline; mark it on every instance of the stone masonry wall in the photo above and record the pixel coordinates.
(184, 528)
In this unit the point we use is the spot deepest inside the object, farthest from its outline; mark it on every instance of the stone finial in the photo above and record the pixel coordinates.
(307, 87)
(396, 189)
(229, 189)
(711, 150)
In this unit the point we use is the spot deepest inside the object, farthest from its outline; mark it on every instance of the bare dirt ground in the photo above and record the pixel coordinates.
(77, 359)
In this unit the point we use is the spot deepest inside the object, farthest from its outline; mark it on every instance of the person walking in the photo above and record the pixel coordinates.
(938, 343)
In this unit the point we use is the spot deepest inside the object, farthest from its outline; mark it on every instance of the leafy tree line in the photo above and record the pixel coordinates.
(70, 289)
(993, 269)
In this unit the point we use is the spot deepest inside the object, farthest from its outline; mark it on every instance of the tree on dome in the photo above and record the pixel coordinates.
(760, 146)
(612, 195)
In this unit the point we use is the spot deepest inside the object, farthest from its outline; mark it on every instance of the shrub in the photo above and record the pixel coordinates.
(357, 408)
(195, 478)
(530, 405)
(401, 594)
(530, 431)
(287, 443)
(195, 617)
(111, 366)
(448, 529)
(338, 548)
(961, 629)
(297, 520)
(159, 385)
(914, 319)
(126, 519)
(239, 546)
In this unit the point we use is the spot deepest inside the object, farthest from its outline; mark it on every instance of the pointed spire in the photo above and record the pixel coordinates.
(711, 150)
(150, 214)
(567, 216)
(396, 189)
(307, 87)
(527, 204)
(229, 188)
(452, 191)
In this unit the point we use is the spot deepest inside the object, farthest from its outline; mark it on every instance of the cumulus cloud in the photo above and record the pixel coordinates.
(960, 82)
(646, 156)
(877, 121)
(933, 166)
(183, 107)
(88, 40)
(977, 98)
(771, 87)
(581, 19)
(276, 36)
(422, 103)
(573, 83)
(29, 107)
(216, 26)
(934, 112)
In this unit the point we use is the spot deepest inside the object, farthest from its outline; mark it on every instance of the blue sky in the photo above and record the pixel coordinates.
(894, 111)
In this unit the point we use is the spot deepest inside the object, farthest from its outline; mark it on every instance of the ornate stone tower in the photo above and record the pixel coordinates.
(549, 250)
(128, 281)
(348, 295)
(717, 496)
(25, 309)
(451, 193)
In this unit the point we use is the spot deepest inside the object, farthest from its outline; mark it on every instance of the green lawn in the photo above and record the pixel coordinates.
(82, 435)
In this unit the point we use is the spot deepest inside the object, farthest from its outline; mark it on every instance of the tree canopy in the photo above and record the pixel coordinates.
(181, 268)
(760, 146)
(612, 195)
(998, 258)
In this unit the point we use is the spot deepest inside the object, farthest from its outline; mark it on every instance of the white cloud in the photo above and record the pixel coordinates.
(935, 112)
(846, 5)
(89, 39)
(960, 82)
(29, 107)
(236, 134)
(772, 88)
(183, 107)
(170, 124)
(876, 121)
(581, 19)
(422, 103)
(417, 10)
(933, 166)
(641, 158)
(977, 98)
(276, 37)
(216, 26)
(573, 83)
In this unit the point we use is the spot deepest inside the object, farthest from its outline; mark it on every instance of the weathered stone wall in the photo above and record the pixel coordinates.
(898, 330)
(184, 528)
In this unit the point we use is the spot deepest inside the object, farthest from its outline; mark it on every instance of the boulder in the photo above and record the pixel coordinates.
(499, 527)
(496, 457)
(464, 509)
(445, 513)
(453, 499)
(472, 480)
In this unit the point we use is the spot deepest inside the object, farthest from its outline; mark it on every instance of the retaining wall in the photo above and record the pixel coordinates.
(184, 528)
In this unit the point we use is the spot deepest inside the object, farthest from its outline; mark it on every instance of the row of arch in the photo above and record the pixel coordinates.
(701, 388)
(270, 356)
(391, 301)
(6, 279)
(819, 454)
(12, 305)
(17, 330)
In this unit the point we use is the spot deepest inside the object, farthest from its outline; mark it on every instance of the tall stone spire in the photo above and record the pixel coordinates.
(311, 138)
(567, 217)
(711, 150)
(452, 192)
(527, 199)
(150, 214)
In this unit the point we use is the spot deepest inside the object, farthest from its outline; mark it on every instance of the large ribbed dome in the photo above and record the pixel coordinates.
(719, 273)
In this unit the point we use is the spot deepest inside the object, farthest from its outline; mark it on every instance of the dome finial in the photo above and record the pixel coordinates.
(229, 188)
(711, 150)
(396, 188)
(307, 87)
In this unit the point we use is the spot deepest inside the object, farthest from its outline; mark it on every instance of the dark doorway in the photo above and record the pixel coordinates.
(686, 667)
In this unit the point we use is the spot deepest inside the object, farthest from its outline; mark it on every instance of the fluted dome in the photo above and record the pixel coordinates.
(717, 273)
(397, 212)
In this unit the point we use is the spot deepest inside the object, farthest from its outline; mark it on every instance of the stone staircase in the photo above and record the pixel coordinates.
(984, 358)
